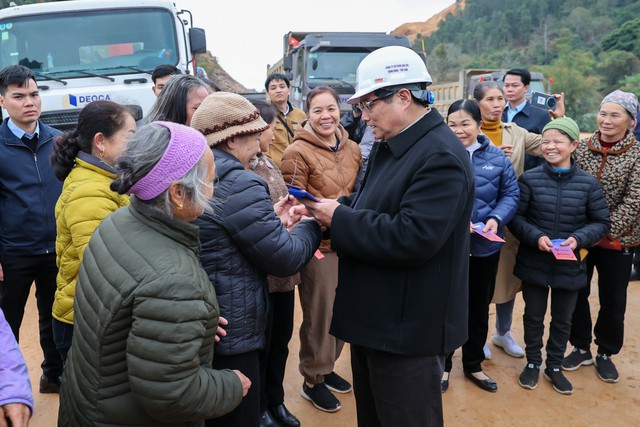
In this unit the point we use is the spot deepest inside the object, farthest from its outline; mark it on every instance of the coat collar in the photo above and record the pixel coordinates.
(8, 137)
(89, 161)
(625, 144)
(559, 175)
(401, 143)
(175, 229)
(305, 133)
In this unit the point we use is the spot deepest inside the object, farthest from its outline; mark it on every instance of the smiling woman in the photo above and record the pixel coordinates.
(325, 162)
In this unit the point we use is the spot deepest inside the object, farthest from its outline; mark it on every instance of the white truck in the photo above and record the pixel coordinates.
(86, 50)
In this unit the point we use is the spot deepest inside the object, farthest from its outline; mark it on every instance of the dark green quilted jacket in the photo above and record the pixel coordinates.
(145, 321)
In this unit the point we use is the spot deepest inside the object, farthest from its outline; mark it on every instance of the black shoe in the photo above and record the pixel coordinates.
(575, 359)
(335, 382)
(48, 385)
(607, 371)
(266, 420)
(488, 384)
(529, 377)
(560, 383)
(321, 397)
(284, 417)
(444, 384)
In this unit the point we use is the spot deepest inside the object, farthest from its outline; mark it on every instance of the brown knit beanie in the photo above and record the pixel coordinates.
(223, 115)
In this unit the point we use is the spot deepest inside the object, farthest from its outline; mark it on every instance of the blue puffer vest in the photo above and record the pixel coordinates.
(497, 193)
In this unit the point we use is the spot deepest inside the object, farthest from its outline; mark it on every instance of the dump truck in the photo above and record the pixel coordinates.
(87, 50)
(312, 59)
(446, 93)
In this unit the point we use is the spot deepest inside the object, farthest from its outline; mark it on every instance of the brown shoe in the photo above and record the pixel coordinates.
(49, 386)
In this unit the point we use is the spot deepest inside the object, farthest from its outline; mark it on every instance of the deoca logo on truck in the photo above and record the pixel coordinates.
(89, 50)
(82, 100)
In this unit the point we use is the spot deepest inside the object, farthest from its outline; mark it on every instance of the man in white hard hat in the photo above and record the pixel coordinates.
(403, 242)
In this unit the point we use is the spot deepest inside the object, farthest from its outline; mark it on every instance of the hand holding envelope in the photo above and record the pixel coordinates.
(487, 231)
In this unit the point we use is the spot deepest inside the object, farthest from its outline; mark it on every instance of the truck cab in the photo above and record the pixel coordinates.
(88, 50)
(328, 59)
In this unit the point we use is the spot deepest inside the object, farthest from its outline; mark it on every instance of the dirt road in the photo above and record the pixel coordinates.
(594, 403)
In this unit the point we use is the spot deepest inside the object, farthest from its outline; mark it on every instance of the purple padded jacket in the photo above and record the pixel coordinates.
(15, 386)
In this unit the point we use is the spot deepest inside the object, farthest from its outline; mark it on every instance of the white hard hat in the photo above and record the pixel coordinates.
(389, 66)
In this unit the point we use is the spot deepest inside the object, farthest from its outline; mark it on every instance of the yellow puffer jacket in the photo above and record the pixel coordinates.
(85, 201)
(313, 166)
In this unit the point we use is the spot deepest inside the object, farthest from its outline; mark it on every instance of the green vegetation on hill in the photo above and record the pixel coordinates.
(588, 47)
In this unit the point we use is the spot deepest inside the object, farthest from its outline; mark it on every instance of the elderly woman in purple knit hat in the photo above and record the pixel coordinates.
(146, 314)
(612, 155)
(244, 239)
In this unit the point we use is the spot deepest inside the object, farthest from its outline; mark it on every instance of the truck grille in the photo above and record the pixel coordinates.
(61, 119)
(68, 119)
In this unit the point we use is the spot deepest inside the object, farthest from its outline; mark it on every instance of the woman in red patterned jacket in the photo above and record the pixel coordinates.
(612, 155)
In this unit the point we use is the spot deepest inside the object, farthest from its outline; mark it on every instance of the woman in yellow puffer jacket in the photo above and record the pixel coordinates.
(83, 159)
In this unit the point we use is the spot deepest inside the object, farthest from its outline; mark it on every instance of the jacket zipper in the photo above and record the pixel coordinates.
(44, 201)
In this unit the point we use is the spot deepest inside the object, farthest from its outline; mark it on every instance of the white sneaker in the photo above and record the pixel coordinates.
(507, 343)
(487, 352)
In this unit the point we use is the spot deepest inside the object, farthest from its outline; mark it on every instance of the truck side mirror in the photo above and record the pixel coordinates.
(197, 40)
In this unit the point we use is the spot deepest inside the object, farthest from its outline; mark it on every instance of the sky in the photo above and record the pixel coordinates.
(246, 36)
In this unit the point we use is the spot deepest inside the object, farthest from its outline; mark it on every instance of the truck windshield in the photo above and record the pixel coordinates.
(73, 44)
(334, 68)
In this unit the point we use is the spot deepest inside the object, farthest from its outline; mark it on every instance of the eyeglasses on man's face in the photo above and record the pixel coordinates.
(367, 105)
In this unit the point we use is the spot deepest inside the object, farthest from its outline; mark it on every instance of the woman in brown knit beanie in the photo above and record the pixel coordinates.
(281, 294)
(243, 241)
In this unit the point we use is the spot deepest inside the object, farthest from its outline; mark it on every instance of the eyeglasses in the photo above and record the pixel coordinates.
(367, 105)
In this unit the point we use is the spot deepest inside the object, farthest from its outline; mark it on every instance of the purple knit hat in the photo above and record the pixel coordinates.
(185, 149)
(627, 100)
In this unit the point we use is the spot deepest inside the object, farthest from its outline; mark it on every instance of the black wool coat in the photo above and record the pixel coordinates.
(403, 243)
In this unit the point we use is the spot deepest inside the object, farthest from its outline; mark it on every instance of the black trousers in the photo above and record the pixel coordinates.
(482, 283)
(247, 414)
(613, 279)
(563, 302)
(274, 357)
(393, 390)
(19, 273)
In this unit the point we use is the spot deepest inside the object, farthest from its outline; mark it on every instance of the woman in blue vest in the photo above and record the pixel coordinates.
(496, 202)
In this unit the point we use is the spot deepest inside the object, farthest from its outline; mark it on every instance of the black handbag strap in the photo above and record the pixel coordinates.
(285, 125)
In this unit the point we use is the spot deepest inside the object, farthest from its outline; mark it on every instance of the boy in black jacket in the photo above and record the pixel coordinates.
(560, 206)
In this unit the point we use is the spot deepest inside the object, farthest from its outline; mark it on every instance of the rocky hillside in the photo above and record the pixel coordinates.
(219, 76)
(412, 29)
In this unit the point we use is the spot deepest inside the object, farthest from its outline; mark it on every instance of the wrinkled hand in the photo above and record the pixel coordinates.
(297, 213)
(559, 111)
(221, 332)
(322, 211)
(506, 149)
(17, 413)
(282, 210)
(246, 382)
(571, 242)
(544, 244)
